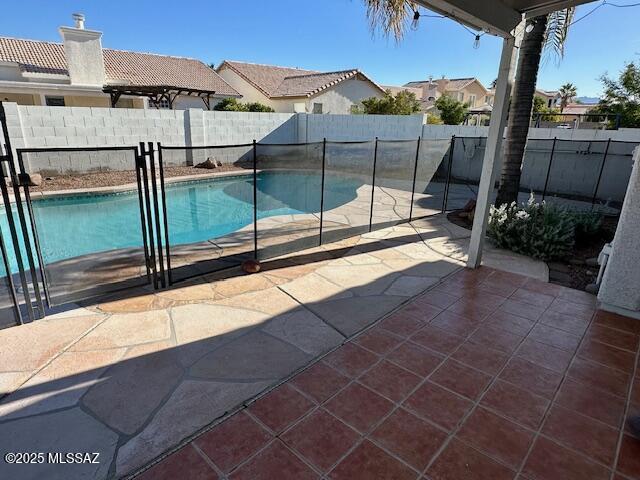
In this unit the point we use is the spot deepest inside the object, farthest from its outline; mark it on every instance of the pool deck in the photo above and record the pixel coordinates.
(134, 378)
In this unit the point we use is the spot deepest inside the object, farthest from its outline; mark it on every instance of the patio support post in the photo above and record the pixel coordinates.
(492, 153)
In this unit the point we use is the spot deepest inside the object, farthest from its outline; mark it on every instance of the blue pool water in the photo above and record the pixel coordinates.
(75, 225)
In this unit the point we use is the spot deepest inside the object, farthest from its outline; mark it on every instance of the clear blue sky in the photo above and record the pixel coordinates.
(325, 35)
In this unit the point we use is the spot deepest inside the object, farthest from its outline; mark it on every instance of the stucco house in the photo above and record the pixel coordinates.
(287, 89)
(79, 72)
(469, 90)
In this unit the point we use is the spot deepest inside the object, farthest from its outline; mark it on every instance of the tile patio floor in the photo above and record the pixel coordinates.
(133, 378)
(490, 375)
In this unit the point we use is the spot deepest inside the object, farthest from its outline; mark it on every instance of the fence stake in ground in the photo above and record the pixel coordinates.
(164, 214)
(255, 201)
(604, 160)
(373, 182)
(324, 151)
(445, 197)
(413, 185)
(546, 180)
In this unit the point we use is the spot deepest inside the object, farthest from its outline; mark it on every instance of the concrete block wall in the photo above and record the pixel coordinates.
(229, 128)
(360, 127)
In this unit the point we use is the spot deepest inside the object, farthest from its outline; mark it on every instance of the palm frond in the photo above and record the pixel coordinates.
(558, 24)
(390, 16)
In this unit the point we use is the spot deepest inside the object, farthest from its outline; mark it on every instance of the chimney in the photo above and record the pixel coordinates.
(83, 51)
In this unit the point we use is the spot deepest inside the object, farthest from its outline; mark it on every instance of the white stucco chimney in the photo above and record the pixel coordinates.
(83, 50)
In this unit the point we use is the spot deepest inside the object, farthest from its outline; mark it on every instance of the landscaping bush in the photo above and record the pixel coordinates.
(587, 224)
(233, 105)
(539, 230)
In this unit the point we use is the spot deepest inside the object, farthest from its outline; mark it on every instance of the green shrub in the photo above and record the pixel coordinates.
(540, 231)
(587, 224)
(233, 105)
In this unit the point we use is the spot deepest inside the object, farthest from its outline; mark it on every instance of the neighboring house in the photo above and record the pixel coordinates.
(395, 90)
(551, 97)
(77, 71)
(468, 90)
(288, 89)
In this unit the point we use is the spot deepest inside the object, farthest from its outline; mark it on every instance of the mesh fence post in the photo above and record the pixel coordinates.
(145, 187)
(445, 197)
(604, 160)
(164, 214)
(546, 180)
(324, 151)
(373, 183)
(255, 200)
(413, 185)
(156, 211)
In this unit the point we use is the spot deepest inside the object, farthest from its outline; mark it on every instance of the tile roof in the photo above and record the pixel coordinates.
(121, 66)
(449, 84)
(275, 82)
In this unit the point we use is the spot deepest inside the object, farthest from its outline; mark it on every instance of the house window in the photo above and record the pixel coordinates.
(472, 100)
(54, 101)
(317, 108)
(488, 100)
(461, 96)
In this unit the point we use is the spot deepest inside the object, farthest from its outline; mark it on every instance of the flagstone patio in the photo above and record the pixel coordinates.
(134, 377)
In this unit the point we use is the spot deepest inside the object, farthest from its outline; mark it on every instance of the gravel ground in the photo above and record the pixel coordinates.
(115, 178)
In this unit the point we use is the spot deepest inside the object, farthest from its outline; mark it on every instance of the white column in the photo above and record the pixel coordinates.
(493, 150)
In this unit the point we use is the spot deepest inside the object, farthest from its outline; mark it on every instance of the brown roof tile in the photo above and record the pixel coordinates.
(121, 66)
(277, 82)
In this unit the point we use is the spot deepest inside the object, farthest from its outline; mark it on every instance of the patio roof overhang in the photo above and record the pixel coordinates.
(156, 93)
(504, 18)
(498, 17)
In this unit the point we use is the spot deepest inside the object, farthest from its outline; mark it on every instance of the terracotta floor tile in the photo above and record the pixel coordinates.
(470, 308)
(561, 305)
(554, 337)
(359, 407)
(437, 299)
(543, 287)
(496, 338)
(275, 461)
(508, 277)
(280, 408)
(592, 402)
(378, 340)
(410, 438)
(515, 403)
(629, 459)
(613, 337)
(568, 323)
(496, 437)
(233, 441)
(420, 311)
(595, 439)
(511, 323)
(456, 324)
(502, 288)
(390, 381)
(438, 405)
(351, 360)
(522, 309)
(459, 461)
(545, 355)
(321, 438)
(619, 322)
(320, 381)
(437, 339)
(417, 359)
(484, 299)
(402, 324)
(185, 463)
(599, 376)
(369, 462)
(461, 379)
(480, 357)
(532, 377)
(578, 296)
(551, 461)
(537, 299)
(635, 390)
(607, 355)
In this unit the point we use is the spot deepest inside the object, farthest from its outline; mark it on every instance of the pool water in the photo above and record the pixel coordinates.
(199, 210)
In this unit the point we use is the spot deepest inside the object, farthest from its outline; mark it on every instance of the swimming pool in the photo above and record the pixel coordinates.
(199, 210)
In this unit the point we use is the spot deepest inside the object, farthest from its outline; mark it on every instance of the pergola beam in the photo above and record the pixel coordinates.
(155, 93)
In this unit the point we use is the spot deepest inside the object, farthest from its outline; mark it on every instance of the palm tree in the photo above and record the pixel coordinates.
(547, 34)
(567, 92)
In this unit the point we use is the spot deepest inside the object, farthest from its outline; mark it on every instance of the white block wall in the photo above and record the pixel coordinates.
(361, 127)
(227, 128)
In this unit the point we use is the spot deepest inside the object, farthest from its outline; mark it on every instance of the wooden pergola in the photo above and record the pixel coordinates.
(157, 93)
(506, 19)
